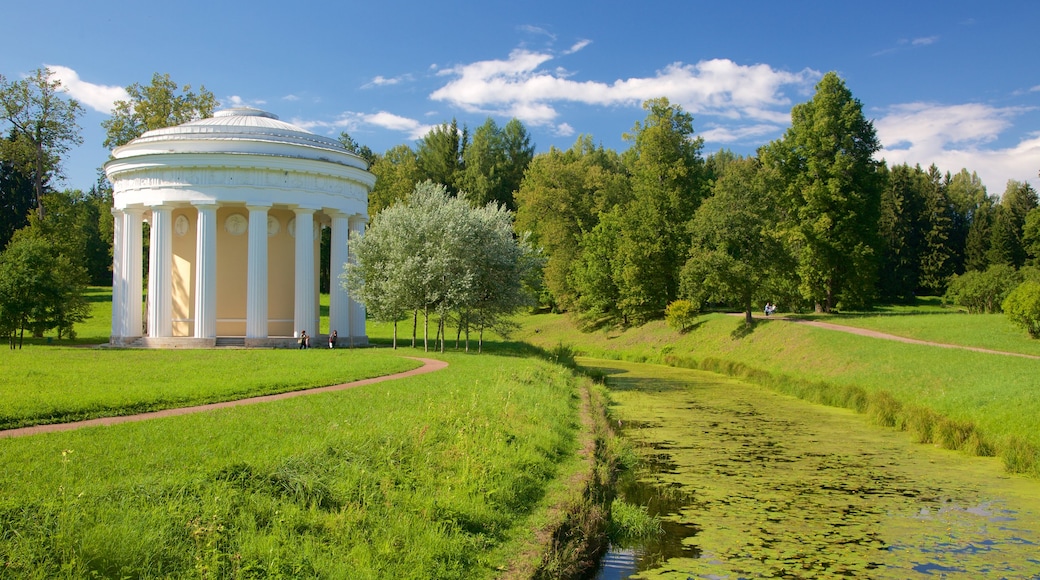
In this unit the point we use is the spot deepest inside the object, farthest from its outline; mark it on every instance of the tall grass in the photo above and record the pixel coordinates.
(439, 476)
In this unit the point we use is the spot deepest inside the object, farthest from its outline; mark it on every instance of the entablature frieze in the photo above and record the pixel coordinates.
(290, 181)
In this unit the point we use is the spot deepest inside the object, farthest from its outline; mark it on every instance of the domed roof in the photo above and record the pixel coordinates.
(240, 130)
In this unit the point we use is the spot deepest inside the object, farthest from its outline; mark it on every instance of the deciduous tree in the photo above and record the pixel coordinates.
(668, 183)
(42, 119)
(736, 252)
(155, 106)
(833, 194)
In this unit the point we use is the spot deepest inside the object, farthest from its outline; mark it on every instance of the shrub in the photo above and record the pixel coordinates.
(1022, 307)
(680, 314)
(982, 292)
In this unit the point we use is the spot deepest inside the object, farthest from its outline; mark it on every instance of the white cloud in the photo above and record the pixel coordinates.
(101, 98)
(519, 86)
(739, 134)
(381, 81)
(237, 101)
(954, 137)
(352, 121)
(563, 130)
(925, 41)
(290, 98)
(578, 46)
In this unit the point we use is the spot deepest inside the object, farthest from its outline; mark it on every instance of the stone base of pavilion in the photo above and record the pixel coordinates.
(320, 341)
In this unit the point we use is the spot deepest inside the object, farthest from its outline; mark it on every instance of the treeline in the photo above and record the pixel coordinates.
(812, 221)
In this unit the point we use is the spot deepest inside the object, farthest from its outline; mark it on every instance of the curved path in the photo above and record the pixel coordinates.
(429, 366)
(882, 335)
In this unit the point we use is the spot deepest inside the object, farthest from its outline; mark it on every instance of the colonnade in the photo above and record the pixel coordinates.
(345, 314)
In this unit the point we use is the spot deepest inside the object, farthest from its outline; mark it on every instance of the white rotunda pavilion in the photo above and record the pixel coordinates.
(236, 203)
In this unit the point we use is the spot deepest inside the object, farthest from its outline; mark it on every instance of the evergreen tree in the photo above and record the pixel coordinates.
(441, 155)
(940, 255)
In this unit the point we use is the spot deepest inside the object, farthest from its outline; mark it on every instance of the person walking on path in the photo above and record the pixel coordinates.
(332, 339)
(305, 341)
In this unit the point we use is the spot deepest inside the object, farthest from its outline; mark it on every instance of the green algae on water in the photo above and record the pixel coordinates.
(761, 485)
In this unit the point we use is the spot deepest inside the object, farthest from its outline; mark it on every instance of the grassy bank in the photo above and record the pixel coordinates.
(448, 475)
(981, 403)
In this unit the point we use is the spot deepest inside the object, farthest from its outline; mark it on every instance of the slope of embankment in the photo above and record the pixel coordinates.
(979, 402)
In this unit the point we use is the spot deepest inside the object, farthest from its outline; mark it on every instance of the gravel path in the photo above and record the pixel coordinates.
(429, 366)
(882, 335)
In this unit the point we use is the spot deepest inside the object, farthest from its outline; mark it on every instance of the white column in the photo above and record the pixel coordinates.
(160, 273)
(133, 270)
(256, 290)
(357, 310)
(304, 305)
(339, 299)
(118, 278)
(206, 271)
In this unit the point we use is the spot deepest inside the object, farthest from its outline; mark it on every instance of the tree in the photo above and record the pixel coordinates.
(902, 226)
(940, 254)
(495, 161)
(971, 217)
(833, 195)
(560, 199)
(593, 272)
(455, 260)
(397, 173)
(736, 252)
(40, 289)
(362, 151)
(1006, 244)
(668, 183)
(441, 155)
(154, 107)
(73, 225)
(1022, 307)
(16, 198)
(43, 121)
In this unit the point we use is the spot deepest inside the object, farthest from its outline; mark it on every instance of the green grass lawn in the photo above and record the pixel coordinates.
(50, 384)
(446, 475)
(453, 474)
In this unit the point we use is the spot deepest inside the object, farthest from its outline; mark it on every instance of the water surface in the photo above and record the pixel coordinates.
(754, 484)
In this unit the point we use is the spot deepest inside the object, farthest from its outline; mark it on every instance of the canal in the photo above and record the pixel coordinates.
(750, 483)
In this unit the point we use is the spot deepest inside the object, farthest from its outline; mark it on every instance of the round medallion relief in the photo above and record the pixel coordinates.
(273, 226)
(236, 224)
(180, 225)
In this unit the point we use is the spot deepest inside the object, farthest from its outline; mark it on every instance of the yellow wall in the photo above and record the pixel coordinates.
(183, 275)
(281, 265)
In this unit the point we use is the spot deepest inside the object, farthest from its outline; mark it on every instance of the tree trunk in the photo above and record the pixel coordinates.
(426, 329)
(415, 325)
(395, 335)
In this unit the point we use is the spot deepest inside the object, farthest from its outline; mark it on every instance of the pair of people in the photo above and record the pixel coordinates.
(305, 341)
(770, 308)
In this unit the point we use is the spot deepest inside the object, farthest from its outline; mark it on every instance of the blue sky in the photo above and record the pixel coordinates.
(947, 82)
